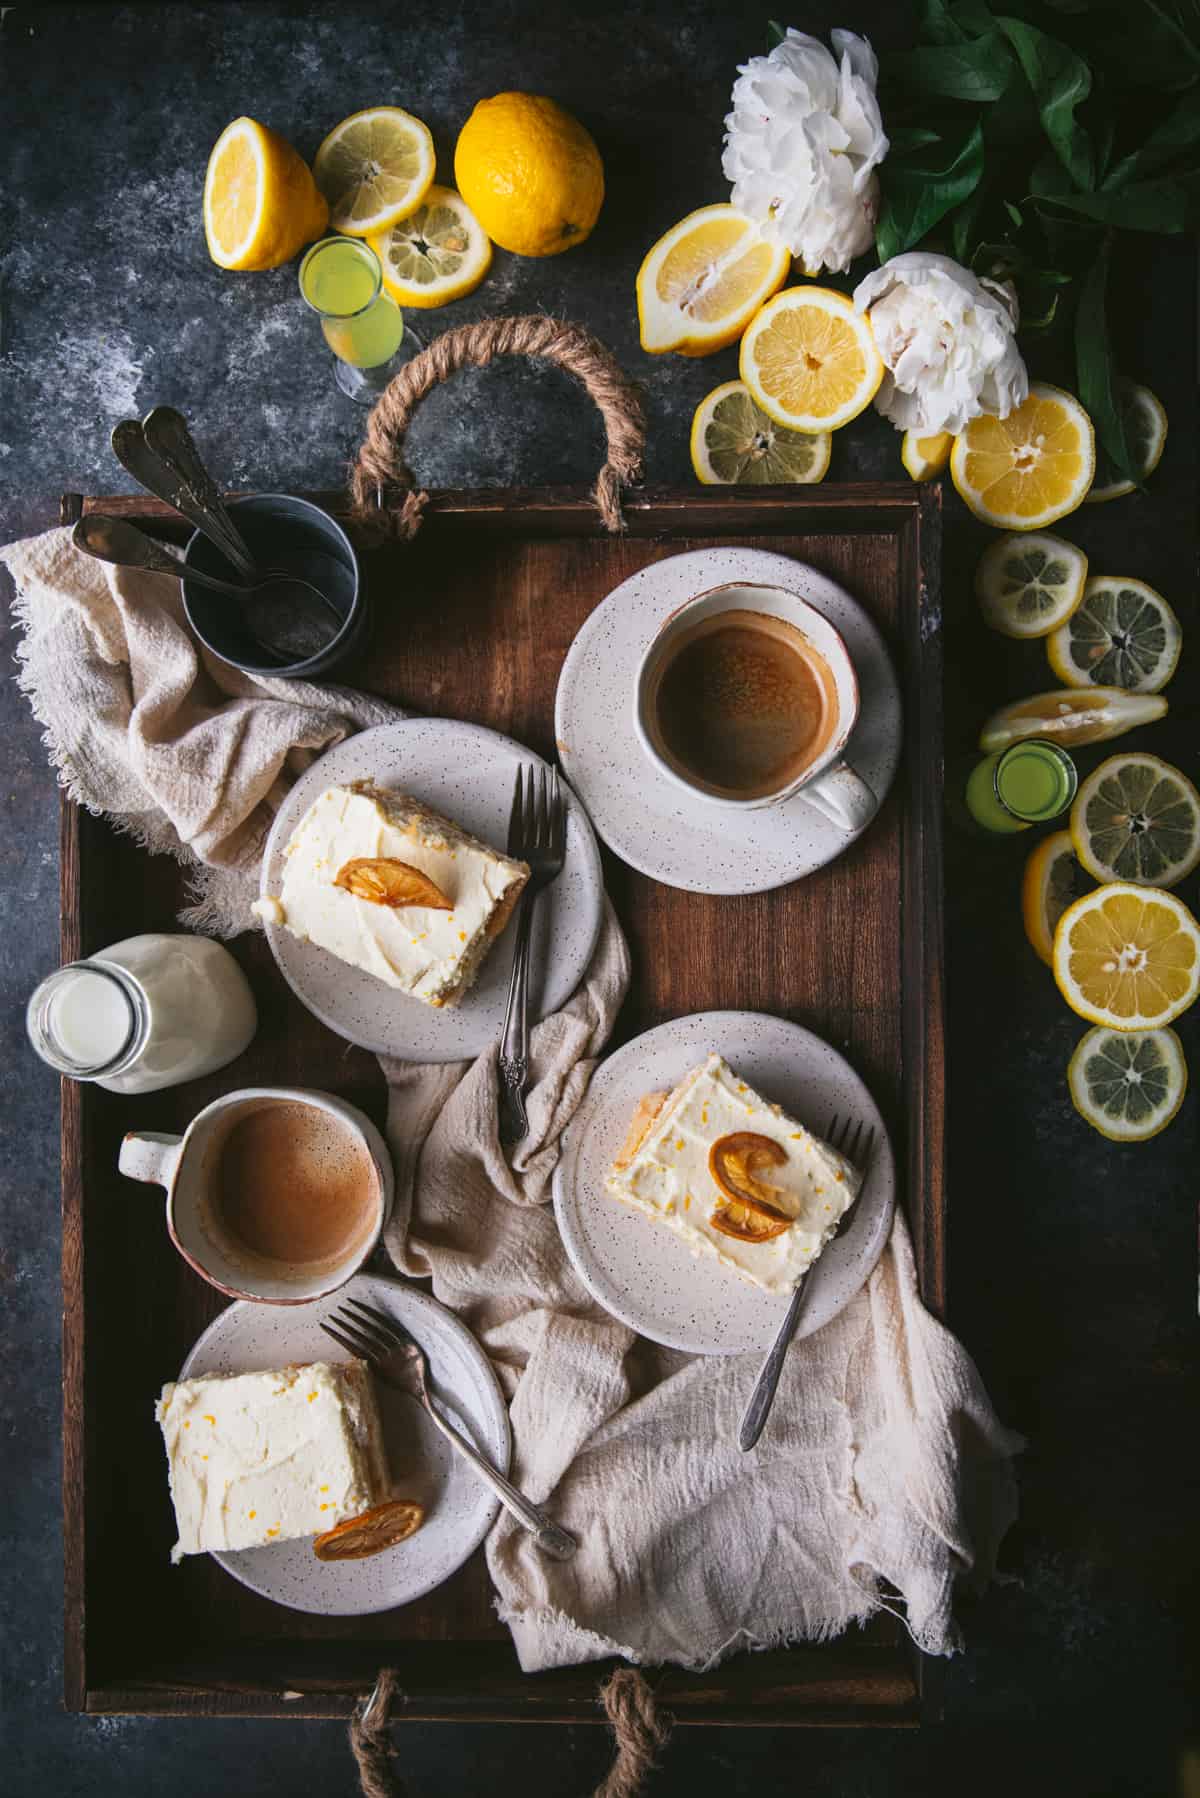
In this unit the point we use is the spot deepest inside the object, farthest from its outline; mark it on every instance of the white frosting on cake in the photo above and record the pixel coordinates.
(668, 1178)
(433, 955)
(265, 1457)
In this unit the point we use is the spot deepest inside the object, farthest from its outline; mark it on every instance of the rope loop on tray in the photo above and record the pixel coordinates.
(383, 490)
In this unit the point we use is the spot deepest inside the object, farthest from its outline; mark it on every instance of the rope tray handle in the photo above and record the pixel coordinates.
(382, 486)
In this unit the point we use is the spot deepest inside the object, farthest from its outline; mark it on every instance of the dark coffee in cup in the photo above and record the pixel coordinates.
(743, 704)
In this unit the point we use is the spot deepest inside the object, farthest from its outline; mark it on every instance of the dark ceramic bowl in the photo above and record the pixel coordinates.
(280, 532)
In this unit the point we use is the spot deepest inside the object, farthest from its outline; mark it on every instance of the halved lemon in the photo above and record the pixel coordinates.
(810, 359)
(735, 443)
(261, 205)
(374, 168)
(1137, 818)
(1028, 584)
(1053, 880)
(437, 253)
(371, 1531)
(1071, 717)
(702, 282)
(1128, 956)
(1145, 436)
(925, 457)
(1123, 634)
(1022, 472)
(1128, 1084)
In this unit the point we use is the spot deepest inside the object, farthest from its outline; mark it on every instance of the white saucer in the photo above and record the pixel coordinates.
(651, 823)
(467, 773)
(645, 1275)
(249, 1338)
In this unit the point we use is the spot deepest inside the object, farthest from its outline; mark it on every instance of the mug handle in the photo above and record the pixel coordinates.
(152, 1157)
(842, 796)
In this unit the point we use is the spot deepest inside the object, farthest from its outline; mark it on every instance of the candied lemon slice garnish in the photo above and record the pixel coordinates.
(734, 1161)
(370, 1532)
(385, 881)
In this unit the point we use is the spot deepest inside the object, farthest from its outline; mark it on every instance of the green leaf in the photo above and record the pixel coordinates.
(962, 225)
(1094, 365)
(1178, 133)
(971, 71)
(1151, 47)
(1167, 204)
(1014, 213)
(776, 34)
(914, 199)
(936, 23)
(903, 138)
(1060, 81)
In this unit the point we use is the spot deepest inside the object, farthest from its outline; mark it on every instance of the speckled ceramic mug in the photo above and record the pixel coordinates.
(186, 1166)
(828, 782)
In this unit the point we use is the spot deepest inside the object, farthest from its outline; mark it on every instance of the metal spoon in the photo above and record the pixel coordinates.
(295, 639)
(166, 433)
(147, 467)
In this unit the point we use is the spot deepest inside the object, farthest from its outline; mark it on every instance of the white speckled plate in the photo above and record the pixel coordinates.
(466, 773)
(650, 822)
(643, 1273)
(248, 1338)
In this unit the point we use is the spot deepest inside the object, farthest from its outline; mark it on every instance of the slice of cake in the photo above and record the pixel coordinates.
(734, 1176)
(266, 1457)
(395, 889)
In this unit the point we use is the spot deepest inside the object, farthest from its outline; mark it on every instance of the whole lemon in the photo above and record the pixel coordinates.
(530, 173)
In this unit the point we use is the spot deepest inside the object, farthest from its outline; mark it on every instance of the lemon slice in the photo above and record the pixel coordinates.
(374, 168)
(1027, 584)
(1127, 956)
(1123, 634)
(1022, 472)
(1137, 818)
(437, 253)
(703, 281)
(1071, 717)
(261, 204)
(809, 359)
(1145, 435)
(1128, 1084)
(1053, 880)
(735, 443)
(924, 457)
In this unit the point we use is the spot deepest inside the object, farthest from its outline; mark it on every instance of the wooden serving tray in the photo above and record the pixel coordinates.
(472, 620)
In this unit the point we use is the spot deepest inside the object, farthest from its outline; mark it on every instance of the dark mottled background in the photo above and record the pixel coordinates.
(1072, 1264)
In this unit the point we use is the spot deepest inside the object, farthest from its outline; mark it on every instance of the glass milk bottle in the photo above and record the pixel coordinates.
(150, 1011)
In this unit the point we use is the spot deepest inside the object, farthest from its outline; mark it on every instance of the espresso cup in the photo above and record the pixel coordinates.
(188, 1166)
(826, 781)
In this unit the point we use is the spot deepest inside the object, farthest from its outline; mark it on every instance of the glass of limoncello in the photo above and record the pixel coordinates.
(1028, 783)
(342, 280)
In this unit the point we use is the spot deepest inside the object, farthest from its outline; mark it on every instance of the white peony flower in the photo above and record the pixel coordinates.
(948, 341)
(800, 145)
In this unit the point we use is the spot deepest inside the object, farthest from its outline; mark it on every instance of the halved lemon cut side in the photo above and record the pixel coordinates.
(374, 168)
(809, 359)
(703, 281)
(1022, 472)
(1128, 956)
(261, 205)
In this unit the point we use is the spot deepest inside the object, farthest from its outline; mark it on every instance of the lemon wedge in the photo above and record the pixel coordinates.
(1128, 956)
(374, 168)
(1071, 717)
(925, 457)
(261, 205)
(1052, 880)
(703, 281)
(1022, 472)
(438, 253)
(735, 443)
(809, 359)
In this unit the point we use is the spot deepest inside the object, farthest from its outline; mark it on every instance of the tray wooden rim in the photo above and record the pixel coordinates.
(854, 1694)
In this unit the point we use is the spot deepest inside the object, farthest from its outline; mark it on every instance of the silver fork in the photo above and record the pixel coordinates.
(399, 1360)
(537, 830)
(855, 1142)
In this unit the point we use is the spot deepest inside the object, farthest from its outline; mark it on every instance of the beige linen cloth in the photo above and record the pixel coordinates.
(883, 1477)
